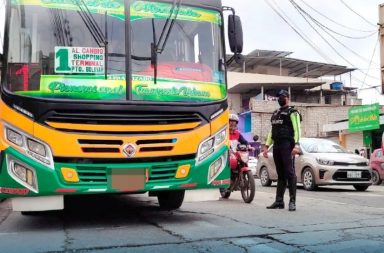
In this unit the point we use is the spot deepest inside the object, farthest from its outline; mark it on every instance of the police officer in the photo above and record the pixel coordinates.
(284, 135)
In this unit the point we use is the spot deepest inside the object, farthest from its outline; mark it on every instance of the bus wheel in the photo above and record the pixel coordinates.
(170, 200)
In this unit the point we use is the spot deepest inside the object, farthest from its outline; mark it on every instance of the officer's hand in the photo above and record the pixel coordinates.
(296, 150)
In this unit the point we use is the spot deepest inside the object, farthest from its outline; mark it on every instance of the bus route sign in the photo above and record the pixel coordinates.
(80, 60)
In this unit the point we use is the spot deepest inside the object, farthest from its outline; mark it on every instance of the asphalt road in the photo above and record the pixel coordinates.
(332, 219)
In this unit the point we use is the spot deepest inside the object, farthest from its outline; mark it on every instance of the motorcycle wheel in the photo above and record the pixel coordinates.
(225, 193)
(248, 187)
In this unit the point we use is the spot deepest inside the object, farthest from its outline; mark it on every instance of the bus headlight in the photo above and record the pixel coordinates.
(14, 137)
(217, 167)
(36, 149)
(23, 174)
(208, 146)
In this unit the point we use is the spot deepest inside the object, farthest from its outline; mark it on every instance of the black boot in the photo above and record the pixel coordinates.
(292, 193)
(279, 202)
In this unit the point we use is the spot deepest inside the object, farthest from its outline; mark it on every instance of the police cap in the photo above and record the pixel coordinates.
(282, 93)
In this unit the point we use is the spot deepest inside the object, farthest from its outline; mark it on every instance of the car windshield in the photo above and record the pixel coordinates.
(321, 146)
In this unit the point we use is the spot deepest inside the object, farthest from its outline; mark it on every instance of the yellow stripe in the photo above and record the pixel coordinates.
(122, 128)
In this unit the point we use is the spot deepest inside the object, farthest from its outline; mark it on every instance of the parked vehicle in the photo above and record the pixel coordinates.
(377, 164)
(321, 162)
(252, 164)
(241, 175)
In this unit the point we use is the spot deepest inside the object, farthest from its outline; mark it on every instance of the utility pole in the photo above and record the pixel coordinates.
(381, 34)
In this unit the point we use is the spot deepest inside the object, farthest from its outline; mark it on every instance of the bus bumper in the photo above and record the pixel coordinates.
(103, 178)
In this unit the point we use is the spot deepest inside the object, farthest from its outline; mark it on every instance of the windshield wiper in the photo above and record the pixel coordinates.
(95, 30)
(159, 46)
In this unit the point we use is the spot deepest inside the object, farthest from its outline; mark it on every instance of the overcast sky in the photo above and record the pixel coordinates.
(265, 29)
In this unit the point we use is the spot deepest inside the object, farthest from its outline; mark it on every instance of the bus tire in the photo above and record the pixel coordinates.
(170, 200)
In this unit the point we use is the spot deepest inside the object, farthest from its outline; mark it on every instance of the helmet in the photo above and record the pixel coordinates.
(233, 117)
(282, 93)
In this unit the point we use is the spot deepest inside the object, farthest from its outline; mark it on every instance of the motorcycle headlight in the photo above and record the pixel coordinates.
(324, 161)
(244, 156)
(208, 146)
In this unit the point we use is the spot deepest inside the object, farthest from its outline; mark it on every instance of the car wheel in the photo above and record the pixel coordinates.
(361, 188)
(376, 180)
(308, 179)
(264, 177)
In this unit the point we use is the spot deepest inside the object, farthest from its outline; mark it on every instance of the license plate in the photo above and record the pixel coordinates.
(353, 174)
(129, 179)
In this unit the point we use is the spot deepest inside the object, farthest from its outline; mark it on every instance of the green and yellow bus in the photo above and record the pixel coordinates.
(114, 96)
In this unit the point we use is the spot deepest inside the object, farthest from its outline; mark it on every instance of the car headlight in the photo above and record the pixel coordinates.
(208, 146)
(324, 161)
(36, 149)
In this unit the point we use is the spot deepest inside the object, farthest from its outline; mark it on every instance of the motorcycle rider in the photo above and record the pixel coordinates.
(234, 134)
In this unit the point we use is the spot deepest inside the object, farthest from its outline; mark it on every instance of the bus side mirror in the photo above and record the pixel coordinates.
(235, 34)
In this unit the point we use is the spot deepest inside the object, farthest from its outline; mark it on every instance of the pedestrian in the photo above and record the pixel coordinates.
(284, 135)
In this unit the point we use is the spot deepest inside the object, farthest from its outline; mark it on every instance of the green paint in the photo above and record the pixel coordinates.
(50, 180)
(365, 117)
(145, 9)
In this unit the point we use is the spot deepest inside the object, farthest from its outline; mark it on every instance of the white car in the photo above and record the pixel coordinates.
(321, 162)
(252, 164)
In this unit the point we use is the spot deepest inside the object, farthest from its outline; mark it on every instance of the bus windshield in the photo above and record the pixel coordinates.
(76, 49)
(55, 49)
(189, 64)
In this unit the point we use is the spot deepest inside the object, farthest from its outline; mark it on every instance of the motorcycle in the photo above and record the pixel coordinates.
(241, 176)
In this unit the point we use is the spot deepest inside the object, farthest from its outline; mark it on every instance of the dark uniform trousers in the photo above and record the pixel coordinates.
(285, 170)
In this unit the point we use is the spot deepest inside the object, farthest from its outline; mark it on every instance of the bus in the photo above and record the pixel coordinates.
(114, 97)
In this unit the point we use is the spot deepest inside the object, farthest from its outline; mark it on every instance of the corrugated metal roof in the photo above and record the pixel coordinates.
(295, 67)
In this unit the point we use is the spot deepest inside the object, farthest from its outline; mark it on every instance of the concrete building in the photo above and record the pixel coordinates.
(252, 87)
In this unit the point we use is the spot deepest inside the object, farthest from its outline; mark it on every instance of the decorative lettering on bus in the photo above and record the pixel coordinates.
(183, 91)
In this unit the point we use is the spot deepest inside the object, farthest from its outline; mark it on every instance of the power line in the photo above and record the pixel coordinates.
(346, 5)
(307, 40)
(335, 32)
(333, 21)
(323, 28)
(301, 11)
(326, 41)
(373, 54)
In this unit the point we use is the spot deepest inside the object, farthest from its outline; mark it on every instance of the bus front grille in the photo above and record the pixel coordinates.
(161, 173)
(92, 175)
